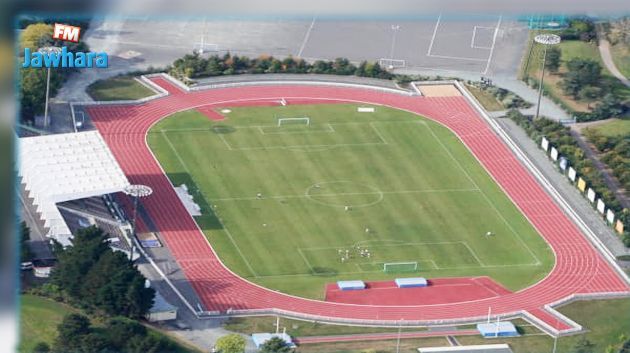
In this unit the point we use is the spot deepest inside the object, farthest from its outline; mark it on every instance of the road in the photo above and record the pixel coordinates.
(604, 51)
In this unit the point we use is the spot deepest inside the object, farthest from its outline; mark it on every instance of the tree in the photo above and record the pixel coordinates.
(71, 331)
(552, 62)
(35, 36)
(74, 262)
(581, 72)
(232, 343)
(590, 94)
(120, 330)
(96, 276)
(609, 107)
(41, 347)
(275, 345)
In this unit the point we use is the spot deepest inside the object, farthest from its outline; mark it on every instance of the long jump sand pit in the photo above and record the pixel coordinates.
(439, 90)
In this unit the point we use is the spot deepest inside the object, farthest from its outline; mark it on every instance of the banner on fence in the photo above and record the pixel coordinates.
(610, 216)
(619, 227)
(564, 163)
(554, 153)
(572, 174)
(544, 143)
(601, 206)
(590, 195)
(581, 184)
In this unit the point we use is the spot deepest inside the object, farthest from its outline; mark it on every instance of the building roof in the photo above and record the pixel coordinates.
(494, 327)
(260, 338)
(63, 167)
(160, 304)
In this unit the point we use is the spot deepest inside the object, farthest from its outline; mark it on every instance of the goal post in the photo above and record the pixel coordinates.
(409, 266)
(294, 121)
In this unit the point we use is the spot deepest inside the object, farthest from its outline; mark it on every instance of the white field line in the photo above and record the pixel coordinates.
(378, 133)
(438, 268)
(208, 129)
(225, 142)
(474, 36)
(437, 24)
(308, 263)
(494, 41)
(307, 131)
(473, 254)
(306, 37)
(381, 263)
(308, 146)
(181, 161)
(456, 57)
(484, 195)
(297, 196)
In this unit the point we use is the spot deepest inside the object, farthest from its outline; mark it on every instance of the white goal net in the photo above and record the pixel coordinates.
(410, 266)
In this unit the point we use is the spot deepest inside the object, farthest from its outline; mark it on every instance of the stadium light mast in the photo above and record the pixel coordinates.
(47, 50)
(546, 40)
(136, 191)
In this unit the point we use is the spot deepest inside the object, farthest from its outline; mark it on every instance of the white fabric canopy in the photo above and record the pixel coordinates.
(64, 167)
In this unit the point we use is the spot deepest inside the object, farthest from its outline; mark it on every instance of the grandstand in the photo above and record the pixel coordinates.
(68, 179)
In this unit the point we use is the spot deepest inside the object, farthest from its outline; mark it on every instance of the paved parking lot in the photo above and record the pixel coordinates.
(438, 42)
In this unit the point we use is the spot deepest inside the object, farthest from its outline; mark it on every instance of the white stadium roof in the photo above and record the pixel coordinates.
(64, 167)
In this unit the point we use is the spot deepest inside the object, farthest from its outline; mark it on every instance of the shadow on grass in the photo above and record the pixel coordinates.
(325, 272)
(223, 129)
(208, 219)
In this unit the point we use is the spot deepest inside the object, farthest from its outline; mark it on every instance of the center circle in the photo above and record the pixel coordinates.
(344, 193)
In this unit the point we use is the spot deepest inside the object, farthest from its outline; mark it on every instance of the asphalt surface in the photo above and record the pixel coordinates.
(473, 45)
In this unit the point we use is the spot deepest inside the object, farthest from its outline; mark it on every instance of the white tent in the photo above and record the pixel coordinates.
(64, 167)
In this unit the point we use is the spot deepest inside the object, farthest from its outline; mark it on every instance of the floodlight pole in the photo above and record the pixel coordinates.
(546, 40)
(395, 29)
(47, 50)
(136, 191)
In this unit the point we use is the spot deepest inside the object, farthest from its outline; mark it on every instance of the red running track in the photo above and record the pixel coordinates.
(579, 268)
(439, 291)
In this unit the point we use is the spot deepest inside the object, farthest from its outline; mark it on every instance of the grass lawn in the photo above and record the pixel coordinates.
(570, 49)
(296, 328)
(118, 88)
(415, 194)
(39, 318)
(614, 127)
(621, 56)
(489, 102)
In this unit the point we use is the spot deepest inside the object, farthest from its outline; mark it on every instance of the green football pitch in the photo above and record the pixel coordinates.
(300, 204)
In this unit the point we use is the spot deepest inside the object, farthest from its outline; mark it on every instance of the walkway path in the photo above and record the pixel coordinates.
(604, 51)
